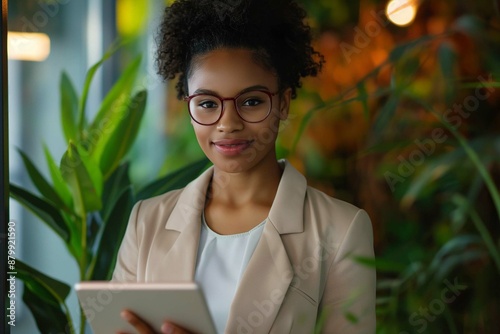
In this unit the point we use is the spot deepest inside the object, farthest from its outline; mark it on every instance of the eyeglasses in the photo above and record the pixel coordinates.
(252, 106)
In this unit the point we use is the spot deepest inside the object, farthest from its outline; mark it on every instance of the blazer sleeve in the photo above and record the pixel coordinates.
(126, 263)
(349, 295)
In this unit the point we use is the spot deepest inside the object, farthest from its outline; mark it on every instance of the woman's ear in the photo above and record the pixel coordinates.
(285, 98)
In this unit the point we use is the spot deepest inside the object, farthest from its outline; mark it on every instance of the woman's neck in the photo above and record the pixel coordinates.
(257, 185)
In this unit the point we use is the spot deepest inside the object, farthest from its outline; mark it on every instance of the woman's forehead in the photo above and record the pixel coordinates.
(229, 69)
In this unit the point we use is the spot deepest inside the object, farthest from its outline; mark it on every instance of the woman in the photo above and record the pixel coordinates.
(271, 254)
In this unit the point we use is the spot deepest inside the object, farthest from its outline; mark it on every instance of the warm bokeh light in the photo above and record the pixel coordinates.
(28, 46)
(401, 12)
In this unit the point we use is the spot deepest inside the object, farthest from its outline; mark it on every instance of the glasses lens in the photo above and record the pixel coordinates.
(254, 106)
(205, 109)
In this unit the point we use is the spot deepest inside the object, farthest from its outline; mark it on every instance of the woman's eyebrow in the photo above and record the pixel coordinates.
(248, 89)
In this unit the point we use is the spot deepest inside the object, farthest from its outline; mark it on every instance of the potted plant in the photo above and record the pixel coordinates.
(89, 196)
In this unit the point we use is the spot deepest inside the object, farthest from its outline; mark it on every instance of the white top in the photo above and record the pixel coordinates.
(222, 259)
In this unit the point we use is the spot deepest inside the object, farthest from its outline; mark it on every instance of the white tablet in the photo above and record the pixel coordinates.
(180, 303)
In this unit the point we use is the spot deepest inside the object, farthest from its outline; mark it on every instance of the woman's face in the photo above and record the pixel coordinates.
(232, 144)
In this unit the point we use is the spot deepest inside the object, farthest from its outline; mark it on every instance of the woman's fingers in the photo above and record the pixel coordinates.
(140, 325)
(144, 328)
(169, 328)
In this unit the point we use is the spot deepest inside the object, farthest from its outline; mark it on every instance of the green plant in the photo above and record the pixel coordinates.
(90, 196)
(441, 214)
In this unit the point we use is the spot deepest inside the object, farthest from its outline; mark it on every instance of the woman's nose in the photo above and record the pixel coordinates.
(230, 120)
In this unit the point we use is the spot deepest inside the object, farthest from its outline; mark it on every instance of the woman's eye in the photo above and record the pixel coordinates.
(252, 102)
(208, 104)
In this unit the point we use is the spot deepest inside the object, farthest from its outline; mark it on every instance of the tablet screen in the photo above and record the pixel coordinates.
(180, 303)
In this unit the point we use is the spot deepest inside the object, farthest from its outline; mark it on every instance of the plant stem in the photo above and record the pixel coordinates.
(71, 325)
(483, 231)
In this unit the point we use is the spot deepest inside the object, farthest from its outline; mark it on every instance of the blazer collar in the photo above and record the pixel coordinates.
(286, 213)
(269, 265)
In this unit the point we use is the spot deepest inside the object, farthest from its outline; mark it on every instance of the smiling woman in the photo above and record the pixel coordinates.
(271, 254)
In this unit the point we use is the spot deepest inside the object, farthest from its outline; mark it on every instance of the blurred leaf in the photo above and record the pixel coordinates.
(41, 183)
(452, 261)
(44, 210)
(111, 235)
(461, 244)
(447, 60)
(471, 25)
(405, 71)
(488, 240)
(381, 264)
(75, 243)
(88, 80)
(83, 178)
(94, 223)
(59, 185)
(114, 187)
(363, 97)
(44, 295)
(386, 114)
(123, 135)
(402, 49)
(49, 319)
(69, 108)
(46, 287)
(176, 180)
(112, 109)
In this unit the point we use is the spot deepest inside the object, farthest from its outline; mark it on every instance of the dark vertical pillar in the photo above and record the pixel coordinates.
(4, 169)
(111, 68)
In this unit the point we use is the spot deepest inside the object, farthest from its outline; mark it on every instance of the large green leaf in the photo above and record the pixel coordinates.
(110, 237)
(83, 178)
(41, 183)
(113, 189)
(45, 298)
(173, 181)
(112, 108)
(57, 180)
(49, 319)
(88, 80)
(123, 136)
(69, 108)
(47, 288)
(43, 209)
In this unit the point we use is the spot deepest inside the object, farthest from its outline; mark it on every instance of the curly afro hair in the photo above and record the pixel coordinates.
(274, 30)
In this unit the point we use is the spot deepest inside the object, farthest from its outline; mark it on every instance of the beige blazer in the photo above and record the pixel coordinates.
(302, 268)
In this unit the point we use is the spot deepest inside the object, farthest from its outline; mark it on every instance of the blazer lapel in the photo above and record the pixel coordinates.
(182, 231)
(262, 287)
(269, 272)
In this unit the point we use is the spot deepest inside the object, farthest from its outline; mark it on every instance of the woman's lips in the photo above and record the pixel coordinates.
(231, 146)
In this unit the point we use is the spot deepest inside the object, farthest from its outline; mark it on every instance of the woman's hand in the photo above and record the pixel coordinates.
(144, 328)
